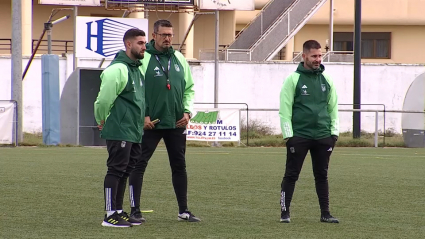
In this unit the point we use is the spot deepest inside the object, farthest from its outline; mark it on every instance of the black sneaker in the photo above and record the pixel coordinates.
(285, 217)
(328, 218)
(130, 219)
(188, 216)
(115, 221)
(137, 215)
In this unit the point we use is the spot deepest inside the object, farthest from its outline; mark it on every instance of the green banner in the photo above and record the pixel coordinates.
(205, 117)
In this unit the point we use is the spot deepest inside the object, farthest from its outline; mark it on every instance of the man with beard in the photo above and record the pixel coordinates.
(169, 104)
(119, 111)
(309, 122)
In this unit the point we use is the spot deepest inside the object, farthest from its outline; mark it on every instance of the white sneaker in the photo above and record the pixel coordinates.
(187, 216)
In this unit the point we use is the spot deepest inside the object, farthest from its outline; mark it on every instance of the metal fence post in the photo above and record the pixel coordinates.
(376, 129)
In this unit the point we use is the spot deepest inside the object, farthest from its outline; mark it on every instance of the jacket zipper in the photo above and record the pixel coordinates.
(317, 83)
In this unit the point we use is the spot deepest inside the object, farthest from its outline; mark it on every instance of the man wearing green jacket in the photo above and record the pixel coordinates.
(309, 122)
(119, 111)
(169, 104)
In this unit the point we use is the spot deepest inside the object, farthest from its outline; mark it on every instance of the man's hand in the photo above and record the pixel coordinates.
(335, 138)
(148, 123)
(100, 127)
(184, 121)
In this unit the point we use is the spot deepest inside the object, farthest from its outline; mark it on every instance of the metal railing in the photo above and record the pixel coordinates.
(297, 57)
(244, 53)
(59, 46)
(376, 133)
(294, 18)
(250, 36)
(282, 28)
(6, 45)
(209, 54)
(376, 111)
(340, 56)
(285, 15)
(252, 24)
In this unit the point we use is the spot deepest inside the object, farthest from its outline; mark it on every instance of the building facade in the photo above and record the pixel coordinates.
(392, 30)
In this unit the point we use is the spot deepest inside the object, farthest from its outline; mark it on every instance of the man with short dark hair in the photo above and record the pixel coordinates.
(169, 104)
(119, 111)
(309, 122)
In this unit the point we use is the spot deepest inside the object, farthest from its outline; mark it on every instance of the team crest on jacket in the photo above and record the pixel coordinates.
(177, 67)
(323, 87)
(158, 72)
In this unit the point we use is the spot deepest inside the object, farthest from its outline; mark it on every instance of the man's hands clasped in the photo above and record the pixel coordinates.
(183, 121)
(100, 127)
(179, 124)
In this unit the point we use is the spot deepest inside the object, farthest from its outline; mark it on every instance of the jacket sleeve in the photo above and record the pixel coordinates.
(114, 79)
(333, 107)
(286, 101)
(143, 68)
(189, 91)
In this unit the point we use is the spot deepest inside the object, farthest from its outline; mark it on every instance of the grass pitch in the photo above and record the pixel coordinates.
(58, 193)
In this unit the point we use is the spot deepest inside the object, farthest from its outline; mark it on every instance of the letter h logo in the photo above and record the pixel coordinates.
(98, 36)
(108, 34)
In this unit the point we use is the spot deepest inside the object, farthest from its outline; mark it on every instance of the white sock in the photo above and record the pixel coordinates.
(119, 211)
(109, 213)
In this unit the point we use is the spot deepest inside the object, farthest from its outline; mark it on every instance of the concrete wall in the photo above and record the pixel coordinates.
(256, 84)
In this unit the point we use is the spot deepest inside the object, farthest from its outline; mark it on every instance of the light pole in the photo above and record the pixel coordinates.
(48, 27)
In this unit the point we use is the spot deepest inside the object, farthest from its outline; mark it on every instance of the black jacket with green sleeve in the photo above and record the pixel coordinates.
(121, 100)
(309, 104)
(163, 103)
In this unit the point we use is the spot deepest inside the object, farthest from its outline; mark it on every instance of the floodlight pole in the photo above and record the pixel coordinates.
(357, 68)
(74, 48)
(54, 11)
(16, 84)
(331, 26)
(217, 28)
(48, 28)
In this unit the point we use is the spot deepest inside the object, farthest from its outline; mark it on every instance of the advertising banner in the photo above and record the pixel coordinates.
(71, 2)
(214, 125)
(100, 37)
(233, 5)
(6, 122)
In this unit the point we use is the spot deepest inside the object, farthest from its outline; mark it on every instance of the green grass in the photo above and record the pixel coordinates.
(58, 193)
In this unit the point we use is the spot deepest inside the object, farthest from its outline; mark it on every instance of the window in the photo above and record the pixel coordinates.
(343, 41)
(375, 45)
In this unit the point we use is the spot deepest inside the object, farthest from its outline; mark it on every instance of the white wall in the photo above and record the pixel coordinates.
(257, 84)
